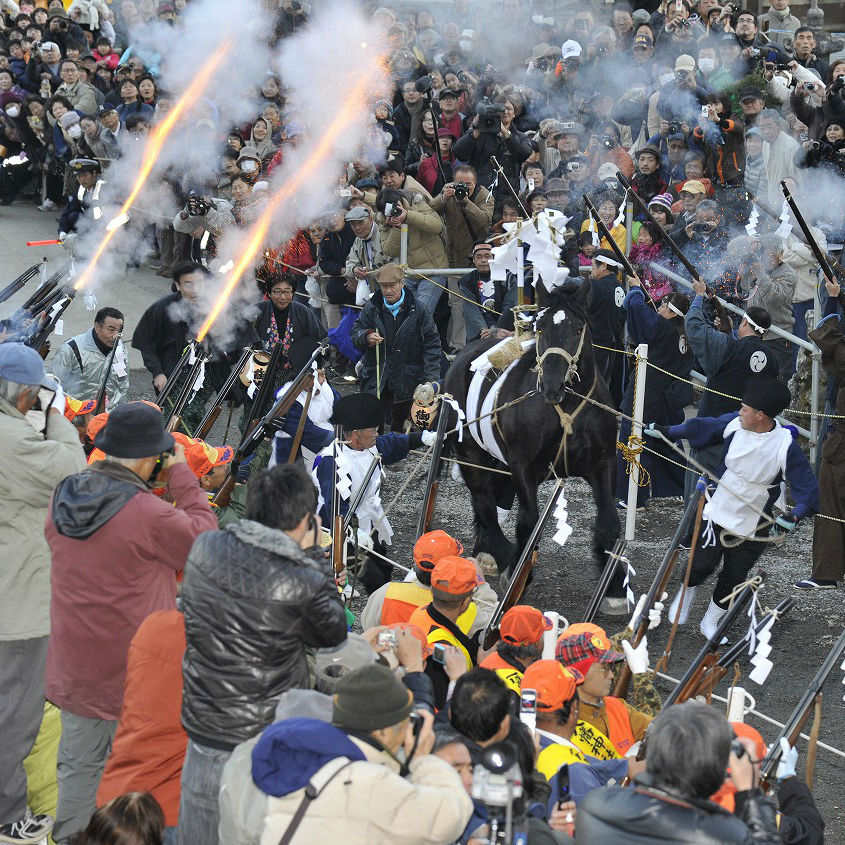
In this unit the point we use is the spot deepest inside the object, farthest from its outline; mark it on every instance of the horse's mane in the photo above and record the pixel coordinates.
(565, 297)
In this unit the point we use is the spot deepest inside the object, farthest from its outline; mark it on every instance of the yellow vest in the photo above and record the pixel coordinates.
(436, 634)
(589, 742)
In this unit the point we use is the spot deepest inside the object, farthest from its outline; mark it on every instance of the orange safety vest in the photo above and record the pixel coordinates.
(402, 598)
(618, 724)
(436, 633)
(509, 674)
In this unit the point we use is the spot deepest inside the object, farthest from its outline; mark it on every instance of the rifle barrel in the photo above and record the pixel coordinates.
(174, 376)
(811, 241)
(665, 236)
(13, 287)
(101, 391)
(433, 470)
(174, 415)
(605, 233)
(801, 713)
(614, 558)
(213, 412)
(359, 493)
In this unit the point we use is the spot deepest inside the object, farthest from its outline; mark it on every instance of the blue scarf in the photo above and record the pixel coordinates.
(394, 309)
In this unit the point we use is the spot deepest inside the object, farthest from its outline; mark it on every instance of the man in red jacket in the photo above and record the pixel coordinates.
(116, 549)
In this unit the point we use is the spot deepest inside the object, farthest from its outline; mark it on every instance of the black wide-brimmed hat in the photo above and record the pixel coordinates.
(134, 430)
(360, 410)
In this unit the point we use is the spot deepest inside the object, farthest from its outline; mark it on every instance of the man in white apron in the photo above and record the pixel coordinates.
(760, 455)
(345, 464)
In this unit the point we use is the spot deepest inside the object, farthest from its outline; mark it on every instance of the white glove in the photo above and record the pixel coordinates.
(428, 438)
(59, 399)
(655, 615)
(788, 759)
(637, 657)
(365, 541)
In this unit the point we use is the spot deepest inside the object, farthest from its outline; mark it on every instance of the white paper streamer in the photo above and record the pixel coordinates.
(563, 529)
(630, 572)
(453, 404)
(198, 381)
(90, 300)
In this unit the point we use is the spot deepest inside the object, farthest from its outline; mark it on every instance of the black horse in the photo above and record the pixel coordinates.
(551, 427)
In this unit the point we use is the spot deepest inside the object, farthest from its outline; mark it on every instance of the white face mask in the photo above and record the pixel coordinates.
(665, 78)
(249, 166)
(706, 65)
(75, 131)
(13, 111)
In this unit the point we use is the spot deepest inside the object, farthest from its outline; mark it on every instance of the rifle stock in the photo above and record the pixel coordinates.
(521, 570)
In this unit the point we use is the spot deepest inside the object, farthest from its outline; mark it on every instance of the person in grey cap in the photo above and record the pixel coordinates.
(360, 793)
(366, 254)
(33, 463)
(116, 548)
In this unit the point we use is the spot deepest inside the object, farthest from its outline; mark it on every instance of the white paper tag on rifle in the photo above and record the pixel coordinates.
(90, 300)
(59, 328)
(120, 361)
(761, 670)
(563, 529)
(199, 381)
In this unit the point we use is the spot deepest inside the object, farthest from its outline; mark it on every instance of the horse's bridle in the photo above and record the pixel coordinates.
(571, 360)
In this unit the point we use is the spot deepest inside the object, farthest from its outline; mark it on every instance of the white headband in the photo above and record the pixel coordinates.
(754, 325)
(611, 261)
(673, 308)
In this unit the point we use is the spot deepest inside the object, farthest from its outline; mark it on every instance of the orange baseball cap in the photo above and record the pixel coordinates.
(78, 407)
(434, 545)
(523, 625)
(744, 731)
(555, 684)
(582, 628)
(454, 575)
(202, 458)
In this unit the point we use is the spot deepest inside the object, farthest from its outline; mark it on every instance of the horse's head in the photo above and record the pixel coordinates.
(562, 339)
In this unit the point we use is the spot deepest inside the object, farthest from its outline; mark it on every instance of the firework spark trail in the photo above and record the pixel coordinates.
(322, 151)
(153, 150)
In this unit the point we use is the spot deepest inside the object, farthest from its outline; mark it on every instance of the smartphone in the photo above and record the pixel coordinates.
(345, 193)
(438, 654)
(563, 784)
(705, 111)
(528, 709)
(530, 186)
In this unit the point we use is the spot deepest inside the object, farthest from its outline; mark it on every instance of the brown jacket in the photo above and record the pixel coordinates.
(459, 238)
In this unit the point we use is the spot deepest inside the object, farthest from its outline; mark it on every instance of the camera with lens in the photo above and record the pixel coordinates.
(198, 205)
(490, 116)
(608, 141)
(754, 52)
(810, 86)
(683, 23)
(838, 84)
(542, 65)
(674, 127)
(497, 784)
(815, 145)
(62, 25)
(601, 49)
(461, 190)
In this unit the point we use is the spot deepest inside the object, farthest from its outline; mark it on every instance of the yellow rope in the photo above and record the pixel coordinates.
(630, 452)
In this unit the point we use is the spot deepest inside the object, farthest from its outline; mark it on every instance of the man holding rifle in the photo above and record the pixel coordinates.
(83, 362)
(360, 416)
(759, 454)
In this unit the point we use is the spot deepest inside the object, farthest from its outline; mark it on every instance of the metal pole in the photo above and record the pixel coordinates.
(815, 377)
(403, 244)
(641, 354)
(520, 275)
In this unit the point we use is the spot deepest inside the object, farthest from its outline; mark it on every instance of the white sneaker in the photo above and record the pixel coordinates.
(47, 205)
(29, 830)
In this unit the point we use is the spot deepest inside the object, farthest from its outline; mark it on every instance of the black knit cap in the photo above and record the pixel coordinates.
(369, 699)
(766, 394)
(359, 410)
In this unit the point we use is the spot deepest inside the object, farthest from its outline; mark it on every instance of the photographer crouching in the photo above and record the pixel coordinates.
(204, 219)
(467, 208)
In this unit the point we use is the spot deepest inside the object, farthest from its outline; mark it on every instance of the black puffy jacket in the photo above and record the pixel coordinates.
(644, 815)
(253, 601)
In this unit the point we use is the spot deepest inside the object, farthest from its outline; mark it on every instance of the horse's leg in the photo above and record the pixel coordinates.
(526, 493)
(488, 534)
(605, 532)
